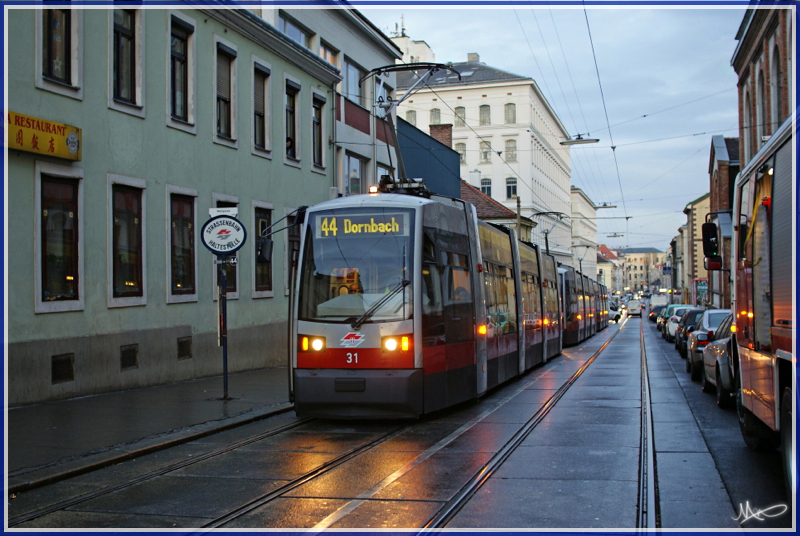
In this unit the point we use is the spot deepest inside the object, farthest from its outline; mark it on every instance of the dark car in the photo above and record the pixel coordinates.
(685, 326)
(654, 312)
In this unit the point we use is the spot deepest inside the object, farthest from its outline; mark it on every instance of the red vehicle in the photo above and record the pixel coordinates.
(763, 360)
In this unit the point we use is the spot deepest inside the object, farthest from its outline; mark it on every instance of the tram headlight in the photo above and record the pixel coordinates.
(395, 343)
(312, 344)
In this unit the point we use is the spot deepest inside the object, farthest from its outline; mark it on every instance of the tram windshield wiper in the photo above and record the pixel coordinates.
(378, 304)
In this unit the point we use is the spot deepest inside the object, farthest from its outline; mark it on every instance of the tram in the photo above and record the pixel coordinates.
(406, 304)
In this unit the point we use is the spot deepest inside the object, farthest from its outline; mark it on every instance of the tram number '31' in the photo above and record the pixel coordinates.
(352, 357)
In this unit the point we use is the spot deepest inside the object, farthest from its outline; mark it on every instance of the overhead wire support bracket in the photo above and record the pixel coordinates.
(390, 105)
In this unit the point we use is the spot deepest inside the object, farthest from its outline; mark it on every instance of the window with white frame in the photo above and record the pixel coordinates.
(486, 187)
(355, 172)
(317, 130)
(461, 149)
(511, 188)
(59, 51)
(127, 276)
(126, 28)
(411, 117)
(226, 105)
(58, 255)
(485, 115)
(461, 115)
(294, 31)
(182, 243)
(262, 141)
(486, 152)
(181, 61)
(352, 75)
(511, 113)
(436, 116)
(511, 150)
(262, 272)
(231, 270)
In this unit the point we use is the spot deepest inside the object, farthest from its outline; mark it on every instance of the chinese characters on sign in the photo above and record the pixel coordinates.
(31, 134)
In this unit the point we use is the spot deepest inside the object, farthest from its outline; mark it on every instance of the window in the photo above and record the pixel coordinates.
(127, 277)
(461, 116)
(352, 76)
(511, 150)
(290, 105)
(355, 172)
(262, 272)
(125, 51)
(461, 149)
(511, 188)
(381, 171)
(226, 93)
(294, 31)
(261, 137)
(486, 187)
(58, 51)
(182, 267)
(436, 116)
(747, 124)
(485, 115)
(383, 94)
(486, 152)
(511, 113)
(317, 132)
(327, 53)
(775, 90)
(760, 109)
(181, 71)
(231, 270)
(411, 117)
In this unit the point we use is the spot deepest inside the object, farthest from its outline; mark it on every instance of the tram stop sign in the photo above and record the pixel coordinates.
(223, 235)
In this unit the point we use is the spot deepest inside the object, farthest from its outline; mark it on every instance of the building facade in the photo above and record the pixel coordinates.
(642, 269)
(505, 130)
(584, 232)
(133, 124)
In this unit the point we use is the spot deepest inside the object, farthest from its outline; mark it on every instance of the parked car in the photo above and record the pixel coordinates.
(664, 316)
(672, 324)
(654, 310)
(635, 307)
(685, 326)
(703, 333)
(717, 365)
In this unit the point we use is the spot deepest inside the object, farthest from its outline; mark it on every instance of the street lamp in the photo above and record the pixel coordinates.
(547, 232)
(577, 140)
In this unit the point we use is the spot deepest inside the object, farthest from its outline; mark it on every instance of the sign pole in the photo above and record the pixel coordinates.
(223, 297)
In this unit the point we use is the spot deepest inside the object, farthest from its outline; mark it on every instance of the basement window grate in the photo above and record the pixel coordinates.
(129, 356)
(62, 368)
(184, 348)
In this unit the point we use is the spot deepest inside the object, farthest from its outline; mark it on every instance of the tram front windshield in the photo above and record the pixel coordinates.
(353, 259)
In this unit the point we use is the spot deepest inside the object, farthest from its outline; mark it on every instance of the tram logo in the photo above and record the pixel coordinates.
(352, 339)
(223, 234)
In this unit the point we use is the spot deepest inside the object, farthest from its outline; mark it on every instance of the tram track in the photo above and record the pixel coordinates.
(646, 515)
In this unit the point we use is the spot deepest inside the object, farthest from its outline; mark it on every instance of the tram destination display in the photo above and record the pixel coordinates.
(361, 225)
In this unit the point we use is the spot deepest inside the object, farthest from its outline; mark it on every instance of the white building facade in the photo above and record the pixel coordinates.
(508, 137)
(584, 232)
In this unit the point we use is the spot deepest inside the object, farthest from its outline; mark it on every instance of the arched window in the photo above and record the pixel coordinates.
(486, 187)
(485, 115)
(511, 150)
(486, 152)
(511, 188)
(775, 90)
(747, 125)
(760, 109)
(511, 114)
(411, 117)
(436, 116)
(461, 116)
(461, 149)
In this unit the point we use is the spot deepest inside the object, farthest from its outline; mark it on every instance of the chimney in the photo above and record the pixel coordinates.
(443, 134)
(473, 56)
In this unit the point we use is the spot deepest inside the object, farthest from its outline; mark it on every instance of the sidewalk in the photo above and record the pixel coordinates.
(47, 441)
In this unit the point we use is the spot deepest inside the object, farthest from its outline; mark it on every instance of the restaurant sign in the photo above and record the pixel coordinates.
(34, 135)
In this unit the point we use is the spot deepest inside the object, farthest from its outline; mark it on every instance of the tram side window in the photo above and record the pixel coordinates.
(762, 292)
(432, 306)
(511, 300)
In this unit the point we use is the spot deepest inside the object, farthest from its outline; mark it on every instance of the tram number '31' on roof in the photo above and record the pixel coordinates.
(361, 225)
(223, 235)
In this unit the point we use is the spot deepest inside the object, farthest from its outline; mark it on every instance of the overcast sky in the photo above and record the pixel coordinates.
(671, 65)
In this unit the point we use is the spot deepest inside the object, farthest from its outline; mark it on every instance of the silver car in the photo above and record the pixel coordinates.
(717, 373)
(703, 333)
(672, 323)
